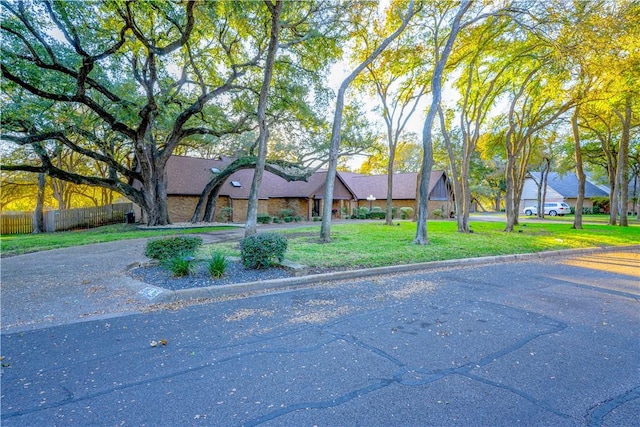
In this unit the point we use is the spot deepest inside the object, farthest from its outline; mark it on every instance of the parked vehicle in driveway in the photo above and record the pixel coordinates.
(550, 208)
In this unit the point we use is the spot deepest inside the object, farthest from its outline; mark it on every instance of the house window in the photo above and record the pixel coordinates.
(236, 184)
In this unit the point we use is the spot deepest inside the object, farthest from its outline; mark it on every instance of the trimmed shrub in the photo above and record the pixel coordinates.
(297, 218)
(276, 220)
(263, 218)
(217, 264)
(287, 212)
(377, 215)
(170, 247)
(179, 264)
(263, 250)
(406, 212)
(316, 218)
(288, 218)
(437, 213)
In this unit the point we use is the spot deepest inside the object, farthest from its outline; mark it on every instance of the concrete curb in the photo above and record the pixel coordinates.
(161, 295)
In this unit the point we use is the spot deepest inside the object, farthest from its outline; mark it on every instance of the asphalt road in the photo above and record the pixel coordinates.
(553, 342)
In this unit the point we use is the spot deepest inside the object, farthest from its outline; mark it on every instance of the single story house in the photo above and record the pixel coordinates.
(560, 188)
(187, 177)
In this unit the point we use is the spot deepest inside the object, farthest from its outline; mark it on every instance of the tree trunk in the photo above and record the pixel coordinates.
(511, 209)
(252, 209)
(389, 204)
(542, 186)
(456, 178)
(427, 142)
(623, 162)
(582, 178)
(332, 167)
(38, 219)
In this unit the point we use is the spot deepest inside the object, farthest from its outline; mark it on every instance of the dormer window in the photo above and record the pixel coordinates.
(236, 184)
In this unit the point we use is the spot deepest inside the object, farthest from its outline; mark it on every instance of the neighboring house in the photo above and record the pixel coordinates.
(560, 188)
(187, 177)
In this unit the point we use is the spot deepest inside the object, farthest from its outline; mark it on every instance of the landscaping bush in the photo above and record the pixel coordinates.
(276, 220)
(263, 218)
(437, 213)
(297, 218)
(287, 212)
(377, 215)
(179, 264)
(170, 247)
(225, 214)
(363, 212)
(263, 250)
(218, 264)
(288, 218)
(406, 212)
(316, 218)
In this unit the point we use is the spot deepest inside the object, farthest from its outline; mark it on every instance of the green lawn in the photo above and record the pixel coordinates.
(16, 244)
(371, 243)
(589, 218)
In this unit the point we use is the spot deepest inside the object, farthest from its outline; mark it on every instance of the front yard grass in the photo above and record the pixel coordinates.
(373, 244)
(16, 244)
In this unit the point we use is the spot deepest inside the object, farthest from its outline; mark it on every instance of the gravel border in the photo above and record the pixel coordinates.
(235, 273)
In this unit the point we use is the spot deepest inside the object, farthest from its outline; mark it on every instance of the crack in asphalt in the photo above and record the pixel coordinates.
(595, 415)
(433, 376)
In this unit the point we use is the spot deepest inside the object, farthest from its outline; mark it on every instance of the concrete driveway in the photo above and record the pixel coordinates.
(550, 342)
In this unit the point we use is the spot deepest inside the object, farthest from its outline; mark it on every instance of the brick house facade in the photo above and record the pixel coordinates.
(187, 177)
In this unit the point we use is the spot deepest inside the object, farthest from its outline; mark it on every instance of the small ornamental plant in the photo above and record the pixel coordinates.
(180, 264)
(217, 264)
(263, 250)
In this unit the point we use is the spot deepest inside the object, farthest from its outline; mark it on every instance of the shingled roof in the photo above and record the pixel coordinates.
(187, 176)
(567, 185)
(404, 184)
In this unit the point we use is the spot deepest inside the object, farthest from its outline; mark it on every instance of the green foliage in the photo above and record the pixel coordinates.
(263, 250)
(225, 214)
(377, 215)
(287, 212)
(217, 264)
(263, 218)
(362, 212)
(437, 213)
(179, 264)
(288, 218)
(276, 220)
(406, 212)
(316, 218)
(171, 247)
(297, 218)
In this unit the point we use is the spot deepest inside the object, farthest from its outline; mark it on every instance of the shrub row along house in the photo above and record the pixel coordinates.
(187, 177)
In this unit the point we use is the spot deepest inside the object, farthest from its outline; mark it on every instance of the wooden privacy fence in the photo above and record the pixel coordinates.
(71, 219)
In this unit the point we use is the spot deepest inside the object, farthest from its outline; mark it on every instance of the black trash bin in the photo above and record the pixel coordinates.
(130, 217)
